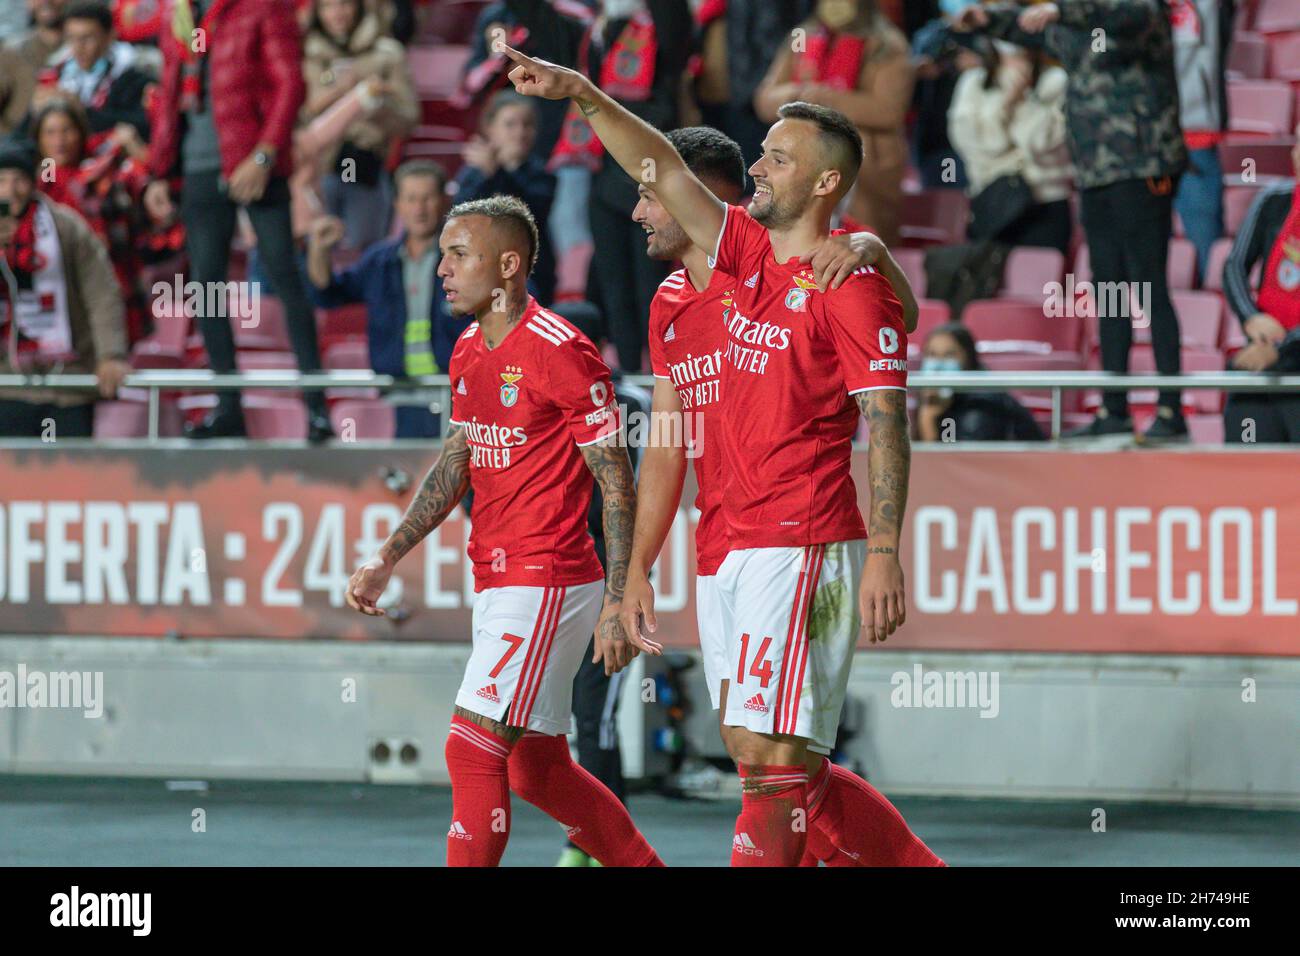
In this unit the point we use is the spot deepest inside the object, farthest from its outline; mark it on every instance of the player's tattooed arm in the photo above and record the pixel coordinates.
(882, 599)
(443, 487)
(889, 461)
(612, 468)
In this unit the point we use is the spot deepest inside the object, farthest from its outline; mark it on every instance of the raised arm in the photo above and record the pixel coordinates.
(889, 458)
(443, 487)
(644, 153)
(663, 469)
(612, 469)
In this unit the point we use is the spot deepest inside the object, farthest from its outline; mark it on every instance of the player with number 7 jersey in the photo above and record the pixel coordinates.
(533, 419)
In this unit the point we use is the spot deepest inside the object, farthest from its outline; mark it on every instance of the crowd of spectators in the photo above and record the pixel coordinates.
(313, 146)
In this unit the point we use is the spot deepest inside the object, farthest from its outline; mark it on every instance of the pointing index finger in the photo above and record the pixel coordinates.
(515, 56)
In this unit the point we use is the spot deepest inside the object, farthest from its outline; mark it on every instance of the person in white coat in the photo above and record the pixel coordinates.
(1008, 118)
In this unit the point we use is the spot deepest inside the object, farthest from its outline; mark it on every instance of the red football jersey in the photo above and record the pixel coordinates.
(686, 345)
(794, 359)
(526, 407)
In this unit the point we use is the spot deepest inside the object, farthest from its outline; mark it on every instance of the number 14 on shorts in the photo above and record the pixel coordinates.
(760, 667)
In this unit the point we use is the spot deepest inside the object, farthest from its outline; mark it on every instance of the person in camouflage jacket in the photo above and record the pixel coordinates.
(1122, 114)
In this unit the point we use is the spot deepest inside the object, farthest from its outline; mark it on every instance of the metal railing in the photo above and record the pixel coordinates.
(156, 382)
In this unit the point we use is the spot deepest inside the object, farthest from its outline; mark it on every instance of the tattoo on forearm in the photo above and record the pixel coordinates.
(881, 551)
(588, 107)
(889, 459)
(444, 486)
(613, 471)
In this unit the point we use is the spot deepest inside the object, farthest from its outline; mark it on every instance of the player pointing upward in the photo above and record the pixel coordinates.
(532, 411)
(800, 363)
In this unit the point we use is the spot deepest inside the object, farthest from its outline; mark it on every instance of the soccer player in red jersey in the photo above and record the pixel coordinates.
(800, 364)
(687, 340)
(532, 412)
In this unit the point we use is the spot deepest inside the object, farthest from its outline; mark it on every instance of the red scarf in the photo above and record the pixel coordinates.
(832, 59)
(21, 252)
(1279, 292)
(627, 73)
(191, 99)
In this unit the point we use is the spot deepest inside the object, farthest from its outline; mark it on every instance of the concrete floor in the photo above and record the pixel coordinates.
(71, 821)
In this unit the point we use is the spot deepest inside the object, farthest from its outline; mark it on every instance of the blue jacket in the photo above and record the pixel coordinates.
(376, 280)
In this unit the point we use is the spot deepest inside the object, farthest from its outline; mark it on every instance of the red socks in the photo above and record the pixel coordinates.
(543, 773)
(480, 795)
(772, 828)
(851, 823)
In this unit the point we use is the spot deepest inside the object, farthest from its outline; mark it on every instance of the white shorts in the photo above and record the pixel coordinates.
(713, 635)
(528, 645)
(791, 618)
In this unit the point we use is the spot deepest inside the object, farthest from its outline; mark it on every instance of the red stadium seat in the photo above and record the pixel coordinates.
(1016, 326)
(359, 420)
(437, 69)
(912, 262)
(931, 313)
(1206, 429)
(274, 417)
(571, 272)
(351, 353)
(127, 419)
(165, 347)
(1182, 264)
(1277, 16)
(934, 216)
(1028, 270)
(1248, 58)
(1236, 203)
(1260, 107)
(265, 329)
(1214, 264)
(341, 323)
(1249, 160)
(1200, 318)
(1234, 337)
(1284, 57)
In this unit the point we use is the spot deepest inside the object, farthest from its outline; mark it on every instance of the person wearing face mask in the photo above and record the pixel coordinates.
(854, 61)
(948, 416)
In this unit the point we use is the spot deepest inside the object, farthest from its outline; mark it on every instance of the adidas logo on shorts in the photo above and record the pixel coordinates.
(757, 703)
(489, 693)
(458, 832)
(743, 844)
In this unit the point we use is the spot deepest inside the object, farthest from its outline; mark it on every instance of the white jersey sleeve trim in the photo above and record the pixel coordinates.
(717, 245)
(878, 388)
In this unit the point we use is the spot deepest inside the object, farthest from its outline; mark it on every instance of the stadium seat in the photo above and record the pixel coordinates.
(571, 272)
(451, 20)
(1236, 203)
(341, 323)
(128, 419)
(1248, 58)
(1277, 16)
(934, 216)
(360, 420)
(1142, 361)
(912, 262)
(267, 329)
(1234, 337)
(1016, 326)
(437, 69)
(1260, 107)
(931, 313)
(1028, 270)
(1284, 57)
(274, 417)
(1214, 264)
(1206, 429)
(164, 348)
(1200, 318)
(348, 353)
(1256, 158)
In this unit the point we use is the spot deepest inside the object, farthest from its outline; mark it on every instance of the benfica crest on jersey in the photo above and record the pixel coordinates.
(510, 390)
(797, 297)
